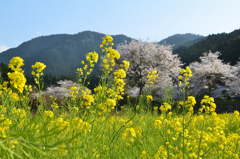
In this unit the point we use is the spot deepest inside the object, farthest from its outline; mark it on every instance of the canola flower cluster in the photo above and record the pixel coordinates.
(105, 96)
(165, 107)
(152, 77)
(186, 73)
(110, 53)
(189, 104)
(91, 57)
(208, 104)
(87, 127)
(17, 78)
(37, 72)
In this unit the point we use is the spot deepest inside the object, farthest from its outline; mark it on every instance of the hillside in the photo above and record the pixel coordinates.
(227, 44)
(61, 53)
(182, 40)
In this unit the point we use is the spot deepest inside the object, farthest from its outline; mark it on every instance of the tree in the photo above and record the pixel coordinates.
(149, 56)
(3, 72)
(234, 83)
(210, 73)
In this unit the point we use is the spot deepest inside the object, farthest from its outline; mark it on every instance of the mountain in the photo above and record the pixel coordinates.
(62, 53)
(227, 44)
(182, 40)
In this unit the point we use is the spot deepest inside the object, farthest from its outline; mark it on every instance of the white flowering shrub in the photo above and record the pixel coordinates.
(62, 90)
(211, 74)
(149, 56)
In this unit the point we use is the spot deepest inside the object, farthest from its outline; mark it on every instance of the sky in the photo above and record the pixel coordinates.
(149, 20)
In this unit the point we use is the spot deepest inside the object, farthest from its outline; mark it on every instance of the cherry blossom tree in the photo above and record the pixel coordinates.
(149, 56)
(210, 74)
(234, 83)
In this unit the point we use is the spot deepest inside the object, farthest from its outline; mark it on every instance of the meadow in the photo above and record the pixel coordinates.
(93, 124)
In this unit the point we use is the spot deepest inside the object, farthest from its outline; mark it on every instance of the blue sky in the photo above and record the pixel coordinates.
(152, 20)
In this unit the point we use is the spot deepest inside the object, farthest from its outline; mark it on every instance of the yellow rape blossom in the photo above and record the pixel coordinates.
(186, 72)
(208, 104)
(17, 80)
(39, 67)
(152, 77)
(149, 98)
(92, 57)
(165, 107)
(15, 63)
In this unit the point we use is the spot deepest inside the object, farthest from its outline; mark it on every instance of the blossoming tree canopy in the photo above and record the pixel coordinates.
(210, 72)
(149, 56)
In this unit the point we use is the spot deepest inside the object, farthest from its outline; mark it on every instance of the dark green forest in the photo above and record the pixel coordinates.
(227, 44)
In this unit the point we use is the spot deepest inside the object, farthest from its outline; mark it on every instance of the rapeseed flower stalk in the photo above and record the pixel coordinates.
(110, 89)
(73, 92)
(125, 65)
(152, 77)
(110, 55)
(91, 57)
(143, 154)
(15, 97)
(108, 106)
(20, 113)
(16, 63)
(165, 107)
(149, 98)
(189, 104)
(119, 84)
(38, 67)
(17, 79)
(208, 104)
(186, 74)
(87, 101)
(48, 115)
(110, 95)
(130, 132)
(54, 105)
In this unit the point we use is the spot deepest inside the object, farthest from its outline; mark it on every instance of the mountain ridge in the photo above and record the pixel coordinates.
(178, 40)
(63, 53)
(228, 44)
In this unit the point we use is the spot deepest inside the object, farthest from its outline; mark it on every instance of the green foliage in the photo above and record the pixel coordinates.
(3, 72)
(227, 44)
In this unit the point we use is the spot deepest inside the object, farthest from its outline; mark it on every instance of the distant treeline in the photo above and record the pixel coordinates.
(49, 79)
(227, 44)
